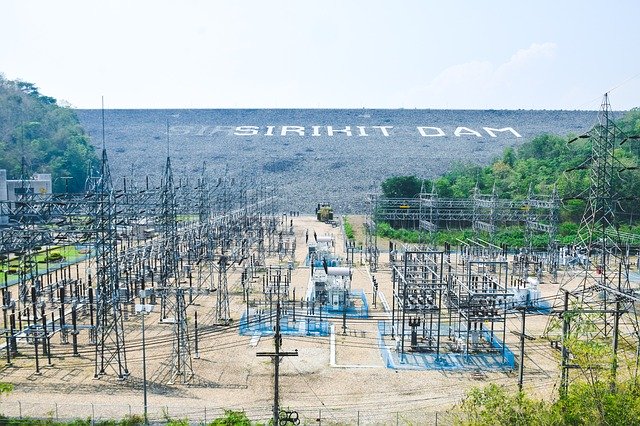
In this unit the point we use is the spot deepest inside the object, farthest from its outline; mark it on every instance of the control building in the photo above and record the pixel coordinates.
(11, 190)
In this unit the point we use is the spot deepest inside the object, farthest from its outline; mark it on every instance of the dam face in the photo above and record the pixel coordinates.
(316, 155)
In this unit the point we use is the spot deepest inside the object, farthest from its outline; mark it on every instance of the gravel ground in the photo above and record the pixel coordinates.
(229, 375)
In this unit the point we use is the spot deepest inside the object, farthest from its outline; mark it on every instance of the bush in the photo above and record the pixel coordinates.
(493, 405)
(348, 229)
(585, 404)
(54, 257)
(232, 418)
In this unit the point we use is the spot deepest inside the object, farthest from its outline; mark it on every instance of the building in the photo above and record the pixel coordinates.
(10, 190)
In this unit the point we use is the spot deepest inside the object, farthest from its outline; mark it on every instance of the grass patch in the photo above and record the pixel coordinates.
(10, 268)
(348, 229)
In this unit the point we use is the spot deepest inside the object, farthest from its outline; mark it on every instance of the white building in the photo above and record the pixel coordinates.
(10, 190)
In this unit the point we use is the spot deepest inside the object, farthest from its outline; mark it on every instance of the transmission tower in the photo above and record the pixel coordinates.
(204, 210)
(604, 289)
(261, 247)
(485, 207)
(598, 235)
(371, 234)
(222, 297)
(553, 246)
(169, 256)
(110, 344)
(541, 216)
(181, 354)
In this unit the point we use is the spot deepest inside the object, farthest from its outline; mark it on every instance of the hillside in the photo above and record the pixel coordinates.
(48, 137)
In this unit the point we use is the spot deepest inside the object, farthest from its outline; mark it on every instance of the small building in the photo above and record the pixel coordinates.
(11, 190)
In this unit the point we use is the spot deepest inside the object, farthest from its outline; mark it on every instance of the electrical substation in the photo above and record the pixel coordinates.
(204, 291)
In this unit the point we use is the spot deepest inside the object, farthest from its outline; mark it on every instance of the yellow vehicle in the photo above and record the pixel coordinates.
(324, 212)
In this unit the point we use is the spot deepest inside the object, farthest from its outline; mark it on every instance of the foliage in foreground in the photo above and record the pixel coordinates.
(127, 421)
(5, 388)
(595, 395)
(230, 418)
(585, 404)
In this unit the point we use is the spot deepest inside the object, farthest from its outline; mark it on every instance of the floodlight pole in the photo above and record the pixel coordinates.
(144, 373)
(143, 311)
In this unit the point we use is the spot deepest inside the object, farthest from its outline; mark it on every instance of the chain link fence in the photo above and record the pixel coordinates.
(158, 415)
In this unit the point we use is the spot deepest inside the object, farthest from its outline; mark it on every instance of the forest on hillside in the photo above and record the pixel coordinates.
(38, 136)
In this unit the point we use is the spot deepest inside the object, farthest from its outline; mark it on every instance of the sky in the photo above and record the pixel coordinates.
(503, 54)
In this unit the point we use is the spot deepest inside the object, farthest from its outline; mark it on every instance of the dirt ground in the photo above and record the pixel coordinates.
(351, 386)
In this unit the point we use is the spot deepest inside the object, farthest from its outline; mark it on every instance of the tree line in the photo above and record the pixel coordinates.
(39, 136)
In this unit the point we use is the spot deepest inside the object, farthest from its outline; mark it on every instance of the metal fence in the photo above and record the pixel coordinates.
(158, 415)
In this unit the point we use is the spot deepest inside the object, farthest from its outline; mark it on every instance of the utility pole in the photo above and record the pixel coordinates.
(564, 379)
(344, 311)
(521, 366)
(616, 324)
(523, 336)
(144, 309)
(375, 290)
(275, 356)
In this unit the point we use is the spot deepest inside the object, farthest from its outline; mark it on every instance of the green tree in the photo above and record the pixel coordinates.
(509, 156)
(402, 187)
(494, 405)
(49, 138)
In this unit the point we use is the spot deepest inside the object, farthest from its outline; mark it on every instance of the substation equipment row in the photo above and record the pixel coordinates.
(174, 242)
(471, 295)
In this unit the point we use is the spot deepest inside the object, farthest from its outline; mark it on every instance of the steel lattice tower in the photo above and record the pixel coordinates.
(222, 297)
(204, 209)
(597, 227)
(173, 303)
(598, 233)
(553, 245)
(168, 223)
(169, 255)
(604, 289)
(181, 354)
(110, 344)
(222, 314)
(485, 206)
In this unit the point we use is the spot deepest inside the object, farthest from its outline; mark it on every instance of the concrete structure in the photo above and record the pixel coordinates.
(39, 184)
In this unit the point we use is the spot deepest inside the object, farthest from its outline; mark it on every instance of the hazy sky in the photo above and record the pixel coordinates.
(553, 54)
